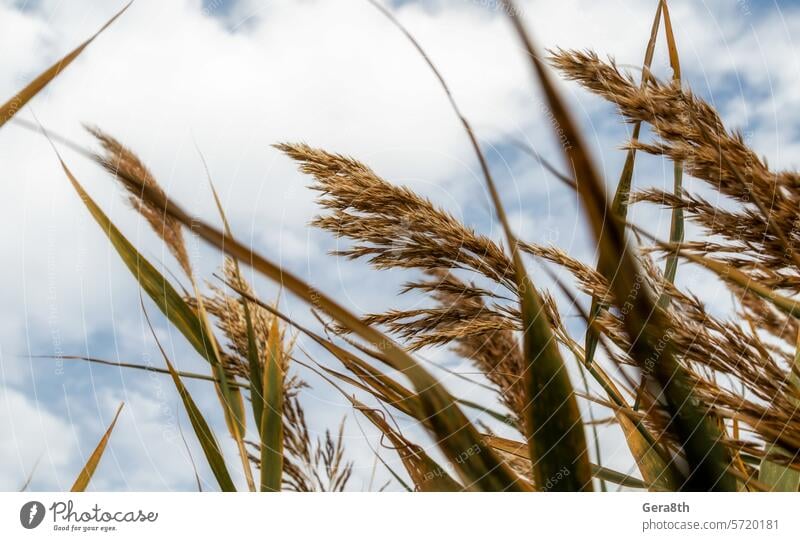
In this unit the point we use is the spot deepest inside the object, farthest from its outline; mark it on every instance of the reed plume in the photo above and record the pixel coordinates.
(123, 164)
(763, 233)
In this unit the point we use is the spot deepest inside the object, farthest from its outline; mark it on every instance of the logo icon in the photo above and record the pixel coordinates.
(31, 515)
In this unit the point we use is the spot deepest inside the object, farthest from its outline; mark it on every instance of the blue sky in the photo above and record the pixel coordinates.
(235, 77)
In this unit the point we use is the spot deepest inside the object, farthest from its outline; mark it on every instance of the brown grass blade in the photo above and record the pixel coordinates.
(425, 473)
(91, 465)
(18, 101)
(135, 366)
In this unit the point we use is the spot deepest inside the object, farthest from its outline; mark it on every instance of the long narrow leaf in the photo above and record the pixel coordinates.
(18, 101)
(676, 224)
(657, 471)
(384, 388)
(151, 281)
(623, 190)
(230, 396)
(271, 428)
(135, 366)
(195, 327)
(552, 418)
(204, 433)
(427, 475)
(649, 326)
(91, 465)
(778, 477)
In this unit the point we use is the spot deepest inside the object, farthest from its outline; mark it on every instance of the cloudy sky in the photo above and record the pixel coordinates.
(234, 77)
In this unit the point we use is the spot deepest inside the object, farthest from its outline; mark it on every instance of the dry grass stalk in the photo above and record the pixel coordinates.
(122, 162)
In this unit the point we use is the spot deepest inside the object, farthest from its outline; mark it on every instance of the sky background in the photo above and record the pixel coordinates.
(234, 77)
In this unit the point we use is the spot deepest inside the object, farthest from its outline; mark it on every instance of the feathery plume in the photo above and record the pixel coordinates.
(126, 166)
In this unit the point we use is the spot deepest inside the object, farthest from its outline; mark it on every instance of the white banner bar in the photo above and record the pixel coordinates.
(397, 516)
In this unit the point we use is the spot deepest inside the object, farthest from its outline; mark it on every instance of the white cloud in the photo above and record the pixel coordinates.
(32, 435)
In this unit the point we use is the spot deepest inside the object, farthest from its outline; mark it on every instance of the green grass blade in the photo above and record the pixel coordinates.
(657, 474)
(676, 225)
(18, 101)
(700, 439)
(496, 415)
(256, 377)
(91, 465)
(623, 190)
(776, 476)
(168, 300)
(271, 428)
(454, 432)
(552, 418)
(201, 429)
(193, 326)
(384, 388)
(656, 466)
(253, 355)
(230, 395)
(191, 458)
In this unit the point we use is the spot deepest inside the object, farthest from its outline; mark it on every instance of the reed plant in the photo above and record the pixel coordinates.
(703, 402)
